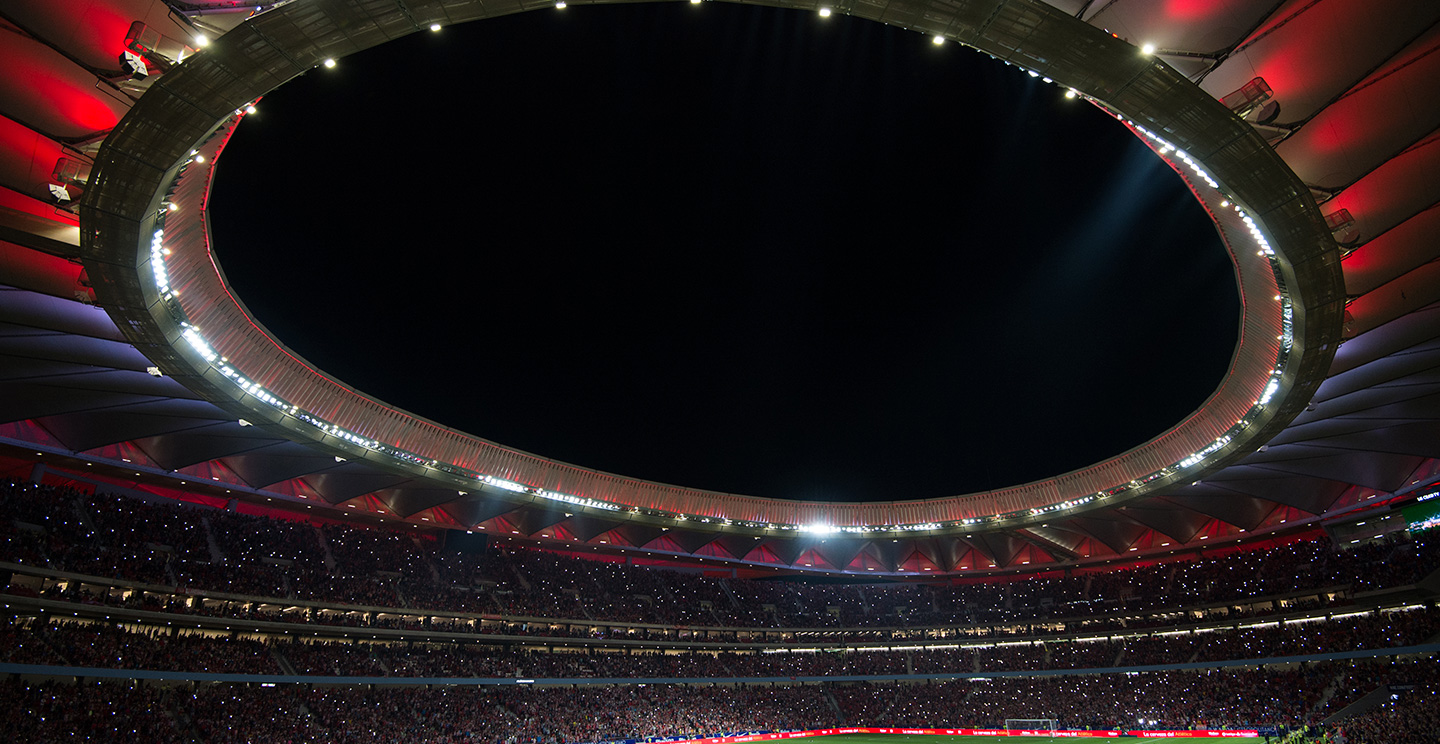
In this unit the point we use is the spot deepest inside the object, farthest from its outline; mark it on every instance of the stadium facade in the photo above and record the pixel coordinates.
(1303, 128)
(1306, 129)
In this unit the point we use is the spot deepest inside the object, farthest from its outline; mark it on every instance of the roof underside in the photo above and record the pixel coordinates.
(1357, 126)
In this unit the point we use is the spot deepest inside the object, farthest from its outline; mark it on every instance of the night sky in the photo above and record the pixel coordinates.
(730, 247)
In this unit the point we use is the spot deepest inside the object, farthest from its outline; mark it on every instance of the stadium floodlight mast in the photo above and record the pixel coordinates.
(1267, 217)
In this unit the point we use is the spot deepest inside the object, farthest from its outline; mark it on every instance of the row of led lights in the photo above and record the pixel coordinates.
(193, 336)
(937, 39)
(257, 391)
(1165, 147)
(824, 12)
(1286, 337)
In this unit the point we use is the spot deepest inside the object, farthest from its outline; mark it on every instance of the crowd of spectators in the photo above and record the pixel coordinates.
(460, 714)
(193, 547)
(226, 714)
(68, 641)
(1161, 700)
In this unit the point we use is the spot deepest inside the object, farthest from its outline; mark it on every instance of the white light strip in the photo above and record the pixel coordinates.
(193, 336)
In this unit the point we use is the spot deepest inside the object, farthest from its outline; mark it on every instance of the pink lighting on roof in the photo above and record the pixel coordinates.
(1189, 11)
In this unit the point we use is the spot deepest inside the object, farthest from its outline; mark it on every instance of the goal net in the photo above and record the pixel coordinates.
(1041, 726)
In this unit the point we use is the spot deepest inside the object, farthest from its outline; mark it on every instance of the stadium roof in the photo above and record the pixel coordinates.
(1354, 127)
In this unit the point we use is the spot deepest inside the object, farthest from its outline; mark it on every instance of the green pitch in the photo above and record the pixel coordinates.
(918, 738)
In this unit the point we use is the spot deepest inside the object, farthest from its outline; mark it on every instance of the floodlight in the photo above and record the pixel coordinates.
(133, 65)
(1254, 97)
(1343, 229)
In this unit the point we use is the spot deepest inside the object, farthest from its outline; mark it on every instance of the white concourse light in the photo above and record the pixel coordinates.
(329, 63)
(434, 27)
(824, 12)
(937, 40)
(1148, 49)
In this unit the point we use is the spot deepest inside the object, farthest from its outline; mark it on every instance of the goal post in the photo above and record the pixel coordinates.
(1041, 726)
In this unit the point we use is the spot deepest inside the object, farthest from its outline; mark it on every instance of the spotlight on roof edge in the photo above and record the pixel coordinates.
(937, 40)
(824, 12)
(1163, 147)
(1148, 49)
(434, 27)
(329, 63)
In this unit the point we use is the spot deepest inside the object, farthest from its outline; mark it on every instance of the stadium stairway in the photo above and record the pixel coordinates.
(83, 515)
(894, 700)
(734, 602)
(519, 576)
(1329, 692)
(1373, 699)
(434, 571)
(834, 704)
(177, 719)
(216, 556)
(1431, 584)
(56, 649)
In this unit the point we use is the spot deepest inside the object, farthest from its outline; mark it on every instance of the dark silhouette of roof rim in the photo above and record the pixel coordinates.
(196, 106)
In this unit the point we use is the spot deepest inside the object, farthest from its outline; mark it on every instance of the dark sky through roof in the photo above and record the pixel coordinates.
(730, 247)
